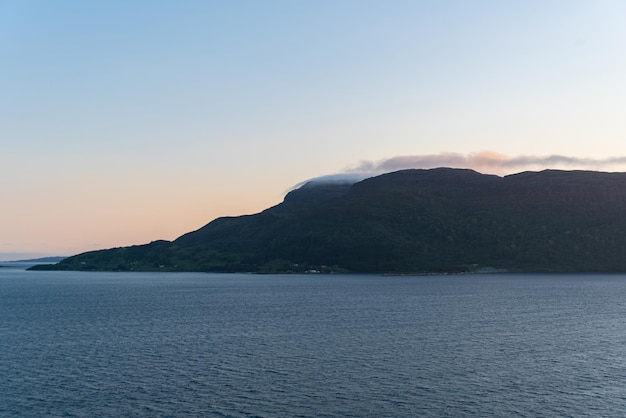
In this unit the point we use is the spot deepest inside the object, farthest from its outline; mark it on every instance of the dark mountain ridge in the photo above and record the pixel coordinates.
(439, 220)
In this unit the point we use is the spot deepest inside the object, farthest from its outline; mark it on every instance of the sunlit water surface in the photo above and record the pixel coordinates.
(146, 344)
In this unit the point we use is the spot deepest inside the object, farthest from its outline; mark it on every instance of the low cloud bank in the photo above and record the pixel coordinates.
(488, 162)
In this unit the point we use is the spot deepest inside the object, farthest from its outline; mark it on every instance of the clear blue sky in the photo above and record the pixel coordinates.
(123, 122)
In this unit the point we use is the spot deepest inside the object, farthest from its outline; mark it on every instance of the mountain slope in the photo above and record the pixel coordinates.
(409, 221)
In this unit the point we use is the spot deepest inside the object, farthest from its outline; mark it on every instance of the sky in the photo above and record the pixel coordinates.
(124, 122)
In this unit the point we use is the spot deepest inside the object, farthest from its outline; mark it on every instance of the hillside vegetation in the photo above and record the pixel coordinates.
(439, 220)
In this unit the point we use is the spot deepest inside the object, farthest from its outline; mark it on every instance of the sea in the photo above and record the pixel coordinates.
(75, 344)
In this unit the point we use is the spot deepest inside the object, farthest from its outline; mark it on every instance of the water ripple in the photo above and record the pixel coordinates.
(146, 345)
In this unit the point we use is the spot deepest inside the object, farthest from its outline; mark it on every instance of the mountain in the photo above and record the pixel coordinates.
(26, 264)
(439, 220)
(54, 259)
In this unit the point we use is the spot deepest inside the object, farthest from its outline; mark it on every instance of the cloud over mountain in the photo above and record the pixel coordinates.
(489, 162)
(486, 162)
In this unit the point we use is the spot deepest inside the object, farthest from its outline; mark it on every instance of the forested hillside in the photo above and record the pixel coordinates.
(440, 220)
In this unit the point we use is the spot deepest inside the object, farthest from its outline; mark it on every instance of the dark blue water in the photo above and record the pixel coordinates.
(135, 344)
